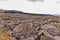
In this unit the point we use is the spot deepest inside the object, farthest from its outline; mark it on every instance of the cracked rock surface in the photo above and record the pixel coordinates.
(29, 27)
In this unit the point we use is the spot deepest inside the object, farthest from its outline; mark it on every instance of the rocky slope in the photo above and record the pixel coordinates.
(28, 27)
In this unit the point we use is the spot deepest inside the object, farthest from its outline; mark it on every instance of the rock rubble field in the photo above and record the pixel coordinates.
(29, 27)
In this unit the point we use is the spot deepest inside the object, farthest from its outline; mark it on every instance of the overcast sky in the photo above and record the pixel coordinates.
(48, 6)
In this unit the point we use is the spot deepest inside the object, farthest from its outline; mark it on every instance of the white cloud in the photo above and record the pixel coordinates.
(48, 7)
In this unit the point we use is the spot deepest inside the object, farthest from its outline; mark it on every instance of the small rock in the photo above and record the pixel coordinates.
(35, 36)
(16, 34)
(13, 38)
(47, 26)
(30, 38)
(44, 37)
(57, 37)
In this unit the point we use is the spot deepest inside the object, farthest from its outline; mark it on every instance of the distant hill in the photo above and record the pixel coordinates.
(21, 12)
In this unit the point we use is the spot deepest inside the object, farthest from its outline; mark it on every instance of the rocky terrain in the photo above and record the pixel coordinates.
(29, 27)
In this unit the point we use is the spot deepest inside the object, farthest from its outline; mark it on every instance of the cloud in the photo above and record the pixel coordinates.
(48, 7)
(36, 0)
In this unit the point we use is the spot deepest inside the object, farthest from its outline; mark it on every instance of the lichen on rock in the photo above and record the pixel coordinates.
(4, 35)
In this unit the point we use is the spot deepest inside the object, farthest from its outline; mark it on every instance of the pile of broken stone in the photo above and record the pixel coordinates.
(29, 27)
